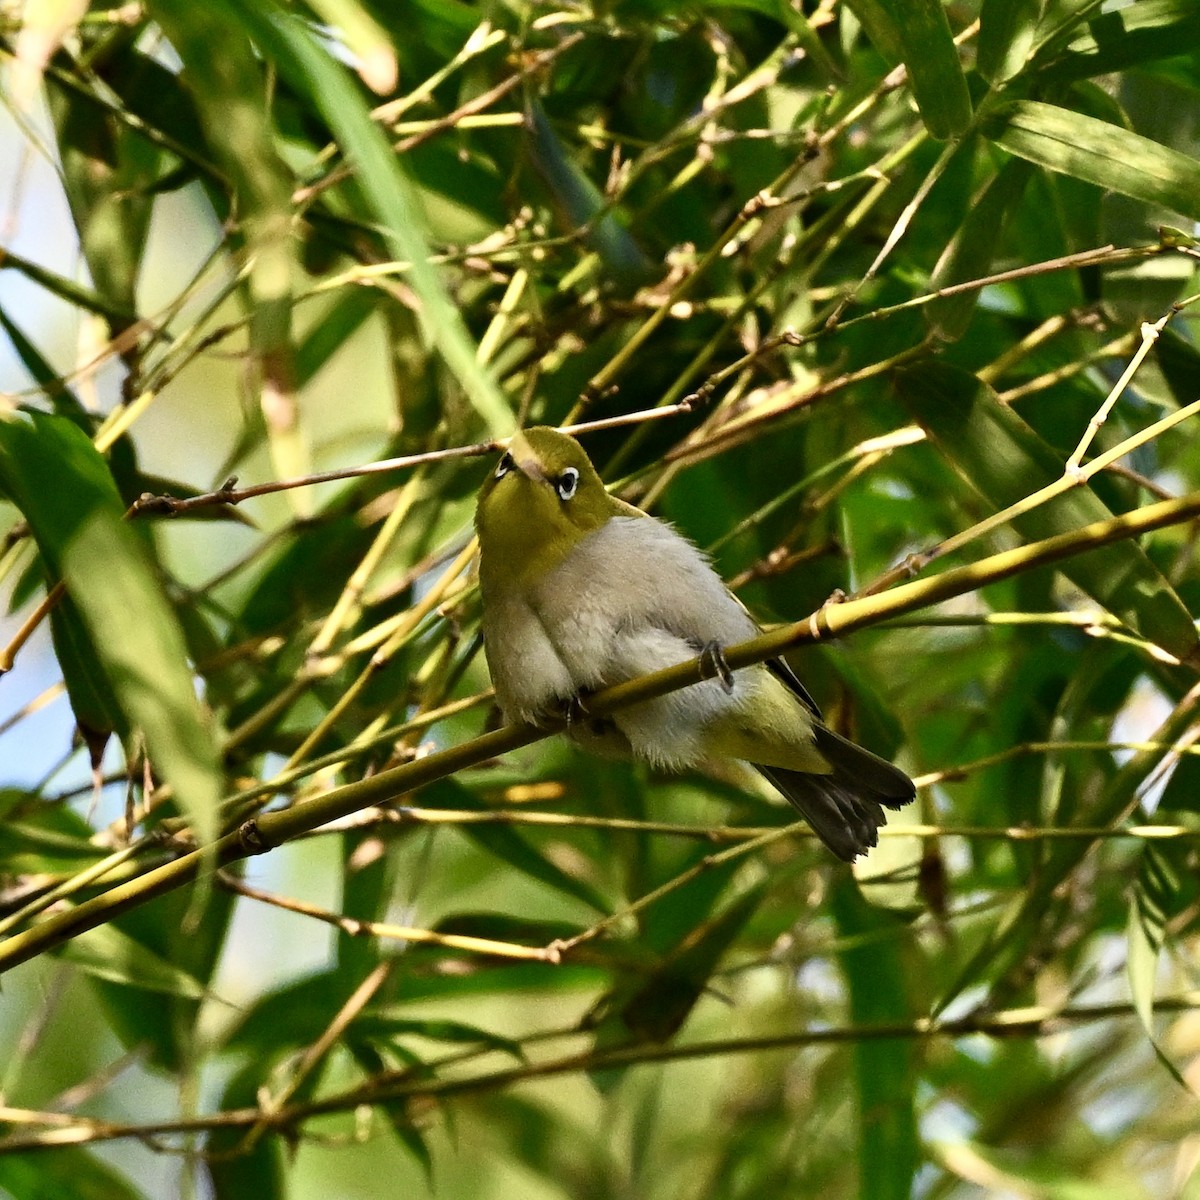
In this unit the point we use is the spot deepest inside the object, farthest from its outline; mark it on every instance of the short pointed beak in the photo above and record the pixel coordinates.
(524, 458)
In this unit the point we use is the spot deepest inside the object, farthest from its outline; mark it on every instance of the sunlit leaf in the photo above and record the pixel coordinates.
(878, 989)
(1006, 36)
(999, 456)
(1128, 37)
(111, 582)
(1097, 152)
(1154, 900)
(387, 189)
(111, 955)
(938, 83)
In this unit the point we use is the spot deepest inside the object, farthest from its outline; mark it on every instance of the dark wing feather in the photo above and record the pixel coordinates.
(845, 807)
(785, 674)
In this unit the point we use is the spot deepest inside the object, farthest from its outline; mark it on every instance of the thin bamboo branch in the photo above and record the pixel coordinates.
(833, 620)
(54, 1129)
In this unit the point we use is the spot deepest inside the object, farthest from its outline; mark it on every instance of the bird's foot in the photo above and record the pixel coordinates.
(576, 710)
(580, 722)
(571, 710)
(714, 666)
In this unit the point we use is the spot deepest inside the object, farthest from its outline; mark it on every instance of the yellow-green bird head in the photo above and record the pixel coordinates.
(541, 498)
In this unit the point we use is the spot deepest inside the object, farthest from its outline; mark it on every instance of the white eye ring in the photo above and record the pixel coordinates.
(567, 483)
(503, 466)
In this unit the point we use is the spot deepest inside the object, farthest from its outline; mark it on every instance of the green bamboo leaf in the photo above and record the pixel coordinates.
(875, 18)
(1128, 37)
(27, 849)
(111, 955)
(162, 1029)
(1143, 942)
(969, 254)
(1006, 36)
(1179, 362)
(503, 927)
(296, 1013)
(884, 1070)
(315, 74)
(511, 847)
(79, 529)
(108, 171)
(94, 701)
(230, 96)
(1098, 153)
(74, 294)
(65, 402)
(379, 1023)
(938, 83)
(1155, 899)
(1061, 21)
(70, 1173)
(1000, 457)
(371, 1060)
(1005, 948)
(664, 998)
(350, 310)
(237, 1171)
(793, 19)
(581, 204)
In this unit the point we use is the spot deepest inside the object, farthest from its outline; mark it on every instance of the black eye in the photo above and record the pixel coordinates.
(568, 481)
(503, 467)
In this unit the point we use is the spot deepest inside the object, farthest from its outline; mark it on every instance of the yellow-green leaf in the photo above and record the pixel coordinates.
(934, 70)
(1097, 152)
(1002, 459)
(79, 529)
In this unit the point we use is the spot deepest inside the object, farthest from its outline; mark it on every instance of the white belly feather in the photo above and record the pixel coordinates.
(631, 598)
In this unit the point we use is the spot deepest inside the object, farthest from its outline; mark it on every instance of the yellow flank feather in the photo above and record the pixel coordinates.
(775, 731)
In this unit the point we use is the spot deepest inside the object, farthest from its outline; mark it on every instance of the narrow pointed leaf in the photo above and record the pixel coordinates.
(111, 955)
(934, 69)
(875, 18)
(314, 73)
(1099, 153)
(1154, 901)
(1000, 457)
(582, 205)
(108, 171)
(1006, 35)
(237, 1170)
(884, 1070)
(510, 846)
(64, 400)
(1005, 949)
(1128, 37)
(666, 997)
(969, 255)
(74, 294)
(137, 641)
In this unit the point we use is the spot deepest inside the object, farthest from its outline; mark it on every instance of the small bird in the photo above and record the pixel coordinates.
(581, 590)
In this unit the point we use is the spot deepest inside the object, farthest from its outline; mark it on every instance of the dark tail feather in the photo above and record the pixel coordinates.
(845, 807)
